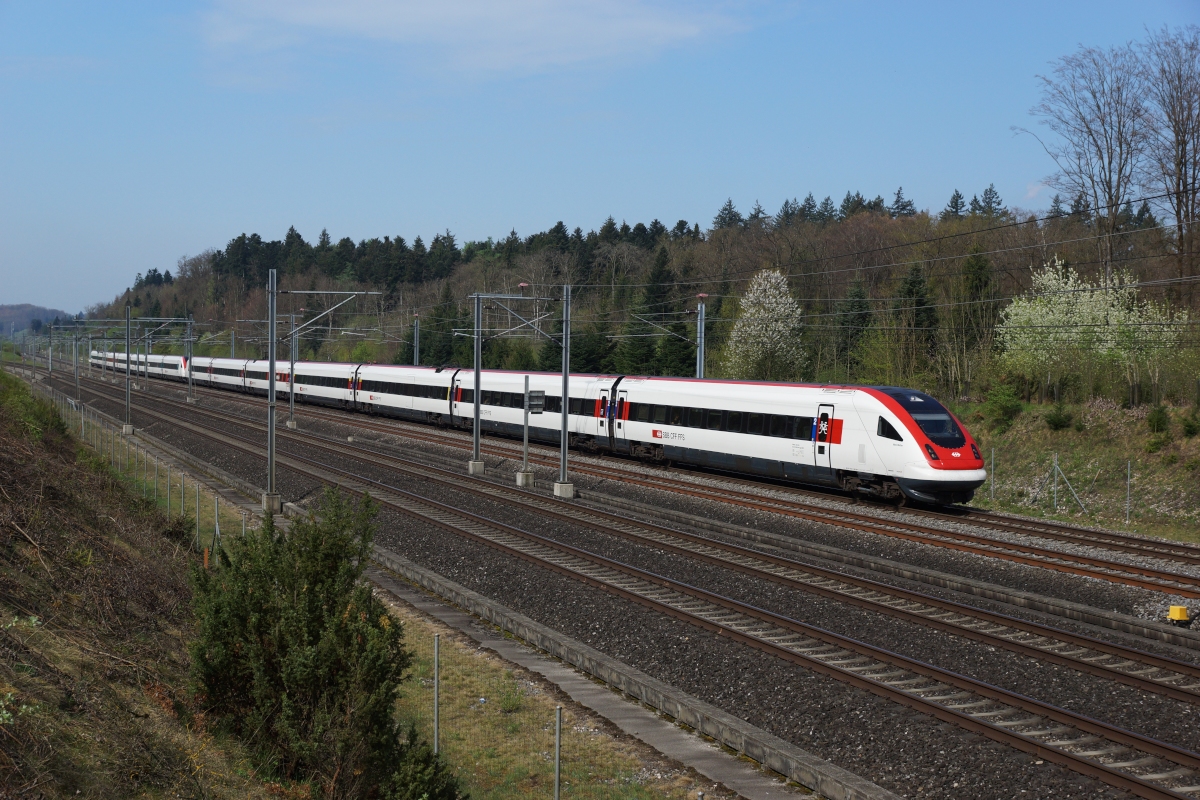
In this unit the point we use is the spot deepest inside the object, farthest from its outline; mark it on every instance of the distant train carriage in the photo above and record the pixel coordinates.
(884, 441)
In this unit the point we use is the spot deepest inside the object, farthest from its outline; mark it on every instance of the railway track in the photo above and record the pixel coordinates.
(1138, 764)
(793, 505)
(1007, 523)
(1145, 671)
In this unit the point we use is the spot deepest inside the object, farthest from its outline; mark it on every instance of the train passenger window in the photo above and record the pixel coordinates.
(695, 417)
(468, 396)
(575, 407)
(660, 415)
(754, 423)
(676, 417)
(803, 428)
(886, 430)
(780, 425)
(714, 420)
(734, 421)
(644, 411)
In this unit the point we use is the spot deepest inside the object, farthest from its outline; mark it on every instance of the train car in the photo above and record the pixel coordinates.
(885, 441)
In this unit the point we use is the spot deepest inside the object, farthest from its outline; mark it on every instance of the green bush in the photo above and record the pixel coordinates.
(1001, 407)
(1157, 442)
(296, 655)
(1158, 420)
(31, 418)
(1059, 419)
(1191, 426)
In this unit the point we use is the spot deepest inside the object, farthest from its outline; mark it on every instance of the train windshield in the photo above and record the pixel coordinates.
(933, 418)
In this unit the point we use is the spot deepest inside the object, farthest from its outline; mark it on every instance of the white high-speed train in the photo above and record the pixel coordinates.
(880, 440)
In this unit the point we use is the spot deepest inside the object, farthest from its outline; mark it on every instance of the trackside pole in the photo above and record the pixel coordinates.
(271, 502)
(562, 487)
(525, 477)
(475, 465)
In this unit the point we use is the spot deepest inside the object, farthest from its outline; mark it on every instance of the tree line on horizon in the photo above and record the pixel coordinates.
(883, 292)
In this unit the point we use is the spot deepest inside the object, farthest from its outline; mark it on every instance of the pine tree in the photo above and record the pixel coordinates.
(901, 207)
(437, 336)
(1081, 209)
(827, 211)
(991, 204)
(787, 212)
(915, 312)
(808, 209)
(591, 350)
(758, 216)
(636, 352)
(305, 663)
(976, 207)
(676, 354)
(956, 208)
(1056, 207)
(727, 217)
(608, 231)
(978, 280)
(854, 317)
(851, 205)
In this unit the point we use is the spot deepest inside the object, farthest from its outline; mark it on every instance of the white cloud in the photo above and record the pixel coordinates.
(487, 35)
(1032, 190)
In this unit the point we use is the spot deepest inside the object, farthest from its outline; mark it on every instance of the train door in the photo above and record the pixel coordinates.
(823, 438)
(355, 385)
(602, 417)
(618, 416)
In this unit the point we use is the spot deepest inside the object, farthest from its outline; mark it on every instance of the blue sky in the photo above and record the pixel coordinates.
(135, 133)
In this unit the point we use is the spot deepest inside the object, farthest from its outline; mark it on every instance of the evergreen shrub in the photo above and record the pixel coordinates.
(1158, 420)
(1058, 418)
(1191, 426)
(297, 656)
(1002, 407)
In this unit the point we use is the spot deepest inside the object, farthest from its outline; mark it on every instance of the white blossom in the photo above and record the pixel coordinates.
(765, 342)
(1063, 319)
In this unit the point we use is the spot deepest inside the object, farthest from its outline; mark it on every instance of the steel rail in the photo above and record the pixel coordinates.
(1176, 679)
(1032, 555)
(916, 692)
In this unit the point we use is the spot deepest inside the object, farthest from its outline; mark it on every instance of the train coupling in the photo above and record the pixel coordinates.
(1178, 616)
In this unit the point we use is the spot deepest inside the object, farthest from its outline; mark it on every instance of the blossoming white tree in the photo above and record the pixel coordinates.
(1065, 323)
(765, 342)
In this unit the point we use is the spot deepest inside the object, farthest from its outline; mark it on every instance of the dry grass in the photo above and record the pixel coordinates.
(94, 615)
(497, 727)
(1093, 452)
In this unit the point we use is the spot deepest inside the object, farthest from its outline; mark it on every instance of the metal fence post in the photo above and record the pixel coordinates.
(156, 477)
(557, 751)
(437, 641)
(1055, 470)
(168, 491)
(197, 513)
(1128, 484)
(993, 481)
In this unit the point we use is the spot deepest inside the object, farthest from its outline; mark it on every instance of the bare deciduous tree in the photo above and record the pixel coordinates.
(1171, 64)
(1093, 101)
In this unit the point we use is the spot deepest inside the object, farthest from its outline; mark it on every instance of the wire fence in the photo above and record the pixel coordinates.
(506, 738)
(159, 480)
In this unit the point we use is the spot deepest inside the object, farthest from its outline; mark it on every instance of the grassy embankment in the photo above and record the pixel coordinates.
(95, 621)
(95, 616)
(1094, 442)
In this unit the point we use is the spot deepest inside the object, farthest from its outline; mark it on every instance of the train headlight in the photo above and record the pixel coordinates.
(932, 455)
(975, 451)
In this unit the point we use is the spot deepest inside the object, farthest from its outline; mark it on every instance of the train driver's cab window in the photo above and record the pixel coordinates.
(885, 430)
